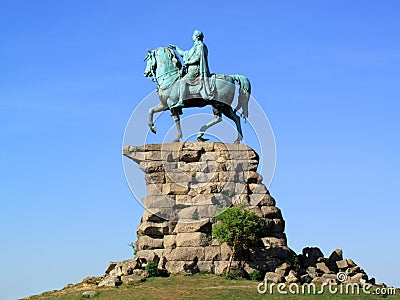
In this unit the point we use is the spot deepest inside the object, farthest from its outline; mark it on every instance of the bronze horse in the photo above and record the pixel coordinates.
(166, 69)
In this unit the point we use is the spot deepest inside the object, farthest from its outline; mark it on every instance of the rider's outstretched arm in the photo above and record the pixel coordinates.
(179, 50)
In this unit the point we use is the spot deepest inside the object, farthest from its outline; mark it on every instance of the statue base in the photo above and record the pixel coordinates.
(187, 185)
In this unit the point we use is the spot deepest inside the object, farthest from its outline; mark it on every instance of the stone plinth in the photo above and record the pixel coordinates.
(187, 185)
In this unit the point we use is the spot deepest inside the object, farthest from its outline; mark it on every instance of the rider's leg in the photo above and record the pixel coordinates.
(182, 93)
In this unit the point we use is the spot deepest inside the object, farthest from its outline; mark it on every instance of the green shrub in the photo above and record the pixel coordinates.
(236, 274)
(132, 245)
(152, 269)
(256, 275)
(239, 228)
(294, 261)
(204, 273)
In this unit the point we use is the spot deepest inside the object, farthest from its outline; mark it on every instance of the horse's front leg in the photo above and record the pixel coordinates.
(158, 108)
(177, 120)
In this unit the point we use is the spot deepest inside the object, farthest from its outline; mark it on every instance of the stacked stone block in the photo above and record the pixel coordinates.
(187, 185)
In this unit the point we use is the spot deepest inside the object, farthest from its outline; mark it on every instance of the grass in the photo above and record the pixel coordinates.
(199, 286)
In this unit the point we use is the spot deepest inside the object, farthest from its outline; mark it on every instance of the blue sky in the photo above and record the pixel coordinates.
(71, 72)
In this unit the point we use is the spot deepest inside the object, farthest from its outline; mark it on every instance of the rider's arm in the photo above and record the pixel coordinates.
(179, 50)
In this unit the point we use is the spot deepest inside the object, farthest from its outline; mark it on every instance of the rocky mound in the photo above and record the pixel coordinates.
(187, 185)
(312, 267)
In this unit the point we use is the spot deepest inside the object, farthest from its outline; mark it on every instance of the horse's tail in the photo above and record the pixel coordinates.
(244, 94)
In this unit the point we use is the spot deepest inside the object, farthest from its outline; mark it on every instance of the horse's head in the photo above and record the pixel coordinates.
(151, 64)
(163, 58)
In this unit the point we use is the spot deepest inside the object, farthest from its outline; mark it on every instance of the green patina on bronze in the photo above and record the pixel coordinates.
(192, 85)
(196, 62)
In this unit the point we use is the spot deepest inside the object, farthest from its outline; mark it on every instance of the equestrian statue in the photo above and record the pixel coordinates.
(192, 85)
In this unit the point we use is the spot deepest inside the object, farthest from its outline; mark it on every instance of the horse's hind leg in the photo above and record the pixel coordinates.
(216, 120)
(229, 112)
(158, 108)
(177, 120)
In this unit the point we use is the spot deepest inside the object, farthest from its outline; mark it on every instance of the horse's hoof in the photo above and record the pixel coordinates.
(153, 129)
(237, 142)
(200, 139)
(176, 140)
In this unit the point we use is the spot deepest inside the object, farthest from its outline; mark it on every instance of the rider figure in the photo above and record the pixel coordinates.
(198, 72)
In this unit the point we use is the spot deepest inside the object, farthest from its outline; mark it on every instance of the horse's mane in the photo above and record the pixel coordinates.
(172, 56)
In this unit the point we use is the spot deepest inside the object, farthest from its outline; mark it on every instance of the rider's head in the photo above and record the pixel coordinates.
(198, 35)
